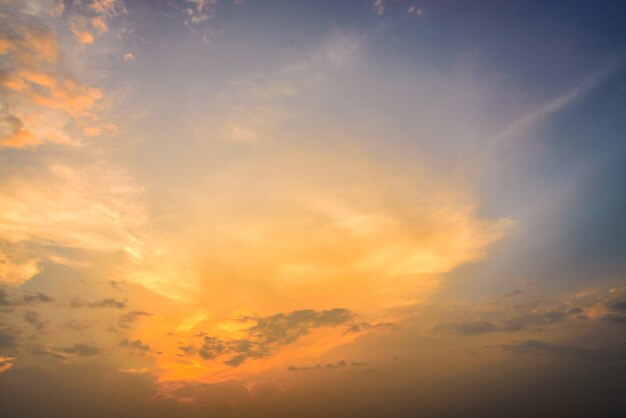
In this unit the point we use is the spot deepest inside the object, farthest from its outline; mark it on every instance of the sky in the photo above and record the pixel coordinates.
(312, 208)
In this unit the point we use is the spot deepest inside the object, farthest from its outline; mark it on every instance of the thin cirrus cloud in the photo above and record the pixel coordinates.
(98, 196)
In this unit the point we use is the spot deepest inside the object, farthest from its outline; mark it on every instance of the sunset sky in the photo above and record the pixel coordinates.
(312, 208)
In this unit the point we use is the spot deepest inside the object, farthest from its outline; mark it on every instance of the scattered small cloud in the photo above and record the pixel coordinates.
(35, 319)
(8, 339)
(197, 14)
(379, 7)
(82, 350)
(415, 10)
(46, 352)
(130, 318)
(78, 26)
(135, 346)
(267, 334)
(78, 302)
(482, 319)
(10, 300)
(337, 365)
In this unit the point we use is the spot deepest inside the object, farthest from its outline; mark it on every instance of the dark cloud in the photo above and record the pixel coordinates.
(81, 349)
(267, 334)
(472, 328)
(513, 294)
(287, 328)
(341, 363)
(36, 297)
(366, 326)
(35, 319)
(615, 306)
(236, 360)
(128, 319)
(618, 319)
(135, 346)
(618, 306)
(282, 329)
(9, 301)
(102, 303)
(186, 350)
(304, 368)
(338, 365)
(78, 326)
(38, 351)
(529, 319)
(8, 339)
(5, 300)
(211, 348)
(541, 348)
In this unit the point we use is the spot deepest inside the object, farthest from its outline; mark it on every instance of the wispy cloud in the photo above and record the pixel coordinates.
(528, 121)
(379, 7)
(90, 208)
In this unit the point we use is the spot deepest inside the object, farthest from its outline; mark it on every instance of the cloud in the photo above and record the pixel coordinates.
(609, 306)
(107, 7)
(102, 303)
(88, 208)
(78, 326)
(45, 352)
(82, 350)
(8, 339)
(523, 124)
(87, 20)
(30, 54)
(5, 363)
(14, 271)
(42, 101)
(35, 319)
(414, 10)
(35, 297)
(269, 333)
(130, 318)
(251, 110)
(287, 328)
(211, 348)
(99, 24)
(532, 319)
(366, 326)
(78, 26)
(379, 7)
(471, 328)
(10, 300)
(340, 363)
(337, 365)
(196, 16)
(480, 319)
(135, 346)
(541, 348)
(304, 368)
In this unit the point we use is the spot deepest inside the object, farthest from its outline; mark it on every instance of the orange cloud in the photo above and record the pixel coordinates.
(42, 99)
(78, 26)
(99, 24)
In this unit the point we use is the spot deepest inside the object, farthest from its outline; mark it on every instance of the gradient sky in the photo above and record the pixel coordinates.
(312, 208)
